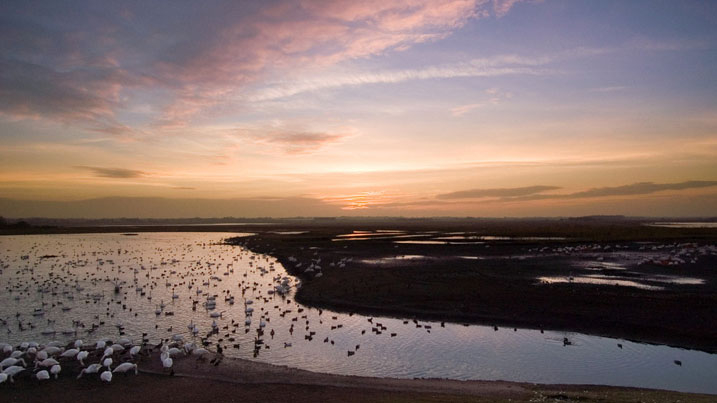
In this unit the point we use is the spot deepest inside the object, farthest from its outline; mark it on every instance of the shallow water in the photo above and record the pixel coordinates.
(81, 278)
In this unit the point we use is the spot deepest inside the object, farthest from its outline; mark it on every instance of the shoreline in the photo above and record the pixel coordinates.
(236, 379)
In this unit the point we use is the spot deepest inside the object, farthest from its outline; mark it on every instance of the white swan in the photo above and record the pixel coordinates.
(11, 361)
(106, 376)
(92, 369)
(134, 350)
(200, 351)
(3, 377)
(42, 375)
(108, 352)
(55, 370)
(126, 366)
(70, 353)
(167, 363)
(51, 350)
(107, 362)
(48, 362)
(11, 371)
(81, 357)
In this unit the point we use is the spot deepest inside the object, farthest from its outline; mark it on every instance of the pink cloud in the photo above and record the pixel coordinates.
(502, 7)
(89, 68)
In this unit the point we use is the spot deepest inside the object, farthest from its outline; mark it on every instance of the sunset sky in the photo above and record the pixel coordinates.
(376, 108)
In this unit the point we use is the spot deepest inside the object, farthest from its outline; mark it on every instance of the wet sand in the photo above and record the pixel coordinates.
(247, 381)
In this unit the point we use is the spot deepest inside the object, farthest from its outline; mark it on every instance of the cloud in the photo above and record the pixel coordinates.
(154, 207)
(634, 189)
(119, 173)
(501, 65)
(609, 89)
(501, 192)
(502, 7)
(640, 189)
(85, 64)
(292, 141)
(496, 97)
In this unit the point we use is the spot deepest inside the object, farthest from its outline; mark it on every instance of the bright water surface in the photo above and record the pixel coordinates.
(79, 285)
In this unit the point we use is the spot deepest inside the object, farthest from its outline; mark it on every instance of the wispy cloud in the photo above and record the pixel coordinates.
(501, 65)
(119, 173)
(500, 192)
(502, 7)
(291, 140)
(495, 97)
(635, 189)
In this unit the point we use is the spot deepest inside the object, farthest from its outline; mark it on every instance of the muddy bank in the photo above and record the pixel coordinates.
(498, 285)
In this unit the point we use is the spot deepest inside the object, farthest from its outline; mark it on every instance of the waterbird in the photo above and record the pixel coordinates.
(91, 369)
(106, 376)
(42, 375)
(11, 361)
(55, 370)
(70, 353)
(11, 371)
(81, 357)
(126, 366)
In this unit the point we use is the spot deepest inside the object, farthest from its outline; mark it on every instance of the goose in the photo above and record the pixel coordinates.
(92, 369)
(126, 366)
(106, 376)
(55, 370)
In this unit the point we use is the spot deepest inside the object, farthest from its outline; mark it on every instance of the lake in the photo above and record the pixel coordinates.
(93, 286)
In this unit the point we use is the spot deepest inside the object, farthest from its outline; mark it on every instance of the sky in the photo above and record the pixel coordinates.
(371, 108)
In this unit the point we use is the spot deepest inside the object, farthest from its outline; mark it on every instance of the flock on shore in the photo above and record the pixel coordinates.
(102, 359)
